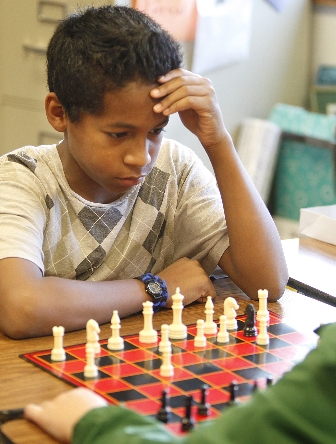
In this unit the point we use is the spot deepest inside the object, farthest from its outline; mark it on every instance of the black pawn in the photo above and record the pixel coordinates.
(203, 407)
(164, 412)
(269, 381)
(233, 389)
(187, 422)
(250, 329)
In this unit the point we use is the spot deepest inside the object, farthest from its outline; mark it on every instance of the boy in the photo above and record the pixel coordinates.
(115, 201)
(298, 409)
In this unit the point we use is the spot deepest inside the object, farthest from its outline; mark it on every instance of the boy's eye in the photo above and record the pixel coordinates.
(117, 135)
(158, 131)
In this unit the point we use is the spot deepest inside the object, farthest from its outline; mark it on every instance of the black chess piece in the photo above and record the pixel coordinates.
(164, 412)
(233, 397)
(249, 327)
(269, 381)
(188, 422)
(203, 406)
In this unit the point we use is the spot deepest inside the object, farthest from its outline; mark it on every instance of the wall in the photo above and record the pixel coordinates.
(278, 70)
(324, 37)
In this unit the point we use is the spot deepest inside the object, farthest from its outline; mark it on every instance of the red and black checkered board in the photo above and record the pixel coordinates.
(132, 375)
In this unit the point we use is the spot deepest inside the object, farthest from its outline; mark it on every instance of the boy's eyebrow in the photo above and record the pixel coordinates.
(129, 125)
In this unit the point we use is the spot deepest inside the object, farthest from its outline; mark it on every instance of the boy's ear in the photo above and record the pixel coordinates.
(55, 113)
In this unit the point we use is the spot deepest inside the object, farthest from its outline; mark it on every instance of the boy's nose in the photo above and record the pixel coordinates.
(139, 154)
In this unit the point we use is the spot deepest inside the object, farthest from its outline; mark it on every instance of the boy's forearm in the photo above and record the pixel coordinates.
(255, 258)
(34, 305)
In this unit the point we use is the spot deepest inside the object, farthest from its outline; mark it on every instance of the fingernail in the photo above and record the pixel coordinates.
(155, 91)
(158, 108)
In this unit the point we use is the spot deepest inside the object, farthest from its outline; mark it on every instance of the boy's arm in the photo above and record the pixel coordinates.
(32, 304)
(255, 258)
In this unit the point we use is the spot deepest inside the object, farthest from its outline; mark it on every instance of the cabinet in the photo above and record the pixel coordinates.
(25, 29)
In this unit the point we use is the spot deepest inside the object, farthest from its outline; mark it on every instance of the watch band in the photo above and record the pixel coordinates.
(160, 301)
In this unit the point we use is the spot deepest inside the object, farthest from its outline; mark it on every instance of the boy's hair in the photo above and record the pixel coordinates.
(100, 49)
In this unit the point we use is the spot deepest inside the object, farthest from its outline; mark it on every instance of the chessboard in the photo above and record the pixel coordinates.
(131, 376)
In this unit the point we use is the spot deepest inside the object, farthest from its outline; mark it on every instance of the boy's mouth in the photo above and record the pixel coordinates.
(130, 181)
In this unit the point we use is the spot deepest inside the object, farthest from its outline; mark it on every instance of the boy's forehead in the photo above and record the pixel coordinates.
(129, 101)
(131, 89)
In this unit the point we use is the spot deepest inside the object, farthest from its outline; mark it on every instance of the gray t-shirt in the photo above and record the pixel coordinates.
(176, 212)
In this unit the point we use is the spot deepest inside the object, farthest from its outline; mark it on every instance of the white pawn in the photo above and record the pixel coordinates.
(166, 369)
(92, 335)
(200, 339)
(58, 352)
(148, 334)
(90, 369)
(223, 335)
(177, 330)
(263, 336)
(230, 307)
(210, 327)
(115, 342)
(165, 344)
(262, 312)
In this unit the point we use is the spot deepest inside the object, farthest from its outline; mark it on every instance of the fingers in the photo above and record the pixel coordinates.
(59, 416)
(182, 90)
(33, 412)
(203, 299)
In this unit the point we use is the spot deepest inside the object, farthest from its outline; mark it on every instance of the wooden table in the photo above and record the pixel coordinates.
(312, 268)
(21, 382)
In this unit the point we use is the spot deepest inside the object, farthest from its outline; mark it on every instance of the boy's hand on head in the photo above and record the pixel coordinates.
(59, 416)
(190, 277)
(194, 98)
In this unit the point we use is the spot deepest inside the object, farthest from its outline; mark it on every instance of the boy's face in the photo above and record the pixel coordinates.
(104, 155)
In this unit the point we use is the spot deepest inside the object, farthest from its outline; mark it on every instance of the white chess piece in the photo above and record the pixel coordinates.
(115, 342)
(90, 369)
(177, 330)
(58, 352)
(262, 312)
(92, 335)
(263, 336)
(230, 307)
(200, 339)
(165, 344)
(223, 335)
(166, 369)
(148, 334)
(210, 327)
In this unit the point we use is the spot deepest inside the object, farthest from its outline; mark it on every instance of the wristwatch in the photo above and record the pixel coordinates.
(156, 288)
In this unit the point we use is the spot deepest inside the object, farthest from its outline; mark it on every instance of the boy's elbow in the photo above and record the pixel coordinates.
(279, 284)
(275, 287)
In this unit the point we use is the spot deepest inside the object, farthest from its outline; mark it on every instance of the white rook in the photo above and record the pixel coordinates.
(58, 352)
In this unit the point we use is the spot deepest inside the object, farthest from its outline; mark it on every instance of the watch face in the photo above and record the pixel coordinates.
(154, 289)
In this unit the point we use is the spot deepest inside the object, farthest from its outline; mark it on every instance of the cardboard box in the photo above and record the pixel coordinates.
(319, 223)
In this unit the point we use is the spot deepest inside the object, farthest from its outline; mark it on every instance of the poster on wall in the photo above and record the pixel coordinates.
(223, 34)
(178, 17)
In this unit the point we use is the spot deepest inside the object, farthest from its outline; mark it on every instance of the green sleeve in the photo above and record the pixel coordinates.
(300, 408)
(120, 426)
